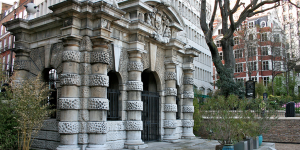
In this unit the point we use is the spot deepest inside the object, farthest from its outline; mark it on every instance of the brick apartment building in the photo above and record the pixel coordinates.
(17, 10)
(258, 49)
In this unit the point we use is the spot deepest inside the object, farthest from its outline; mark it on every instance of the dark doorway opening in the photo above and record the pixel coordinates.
(150, 114)
(50, 77)
(113, 96)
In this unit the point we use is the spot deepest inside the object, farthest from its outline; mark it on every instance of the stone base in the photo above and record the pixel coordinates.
(67, 147)
(96, 147)
(136, 146)
(171, 141)
(189, 137)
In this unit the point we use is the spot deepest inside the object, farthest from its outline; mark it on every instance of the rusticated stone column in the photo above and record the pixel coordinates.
(134, 105)
(98, 102)
(69, 103)
(85, 71)
(170, 107)
(188, 108)
(22, 62)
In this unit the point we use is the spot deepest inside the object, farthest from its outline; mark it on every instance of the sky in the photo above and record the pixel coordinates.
(8, 1)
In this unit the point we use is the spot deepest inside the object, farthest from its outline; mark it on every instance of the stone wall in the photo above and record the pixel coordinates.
(286, 129)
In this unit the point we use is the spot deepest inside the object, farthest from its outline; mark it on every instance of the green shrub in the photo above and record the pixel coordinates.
(227, 119)
(8, 124)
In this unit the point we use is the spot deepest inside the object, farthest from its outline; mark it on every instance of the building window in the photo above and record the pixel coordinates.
(3, 63)
(220, 31)
(4, 44)
(251, 51)
(251, 24)
(264, 51)
(221, 55)
(238, 67)
(218, 43)
(283, 8)
(277, 66)
(239, 80)
(266, 80)
(291, 26)
(254, 79)
(252, 66)
(251, 37)
(263, 24)
(284, 18)
(291, 16)
(265, 65)
(290, 6)
(238, 53)
(8, 62)
(236, 40)
(276, 38)
(264, 36)
(276, 51)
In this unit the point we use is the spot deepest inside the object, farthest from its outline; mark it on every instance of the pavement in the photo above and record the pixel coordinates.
(195, 144)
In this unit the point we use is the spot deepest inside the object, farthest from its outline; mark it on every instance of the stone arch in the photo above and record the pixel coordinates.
(158, 80)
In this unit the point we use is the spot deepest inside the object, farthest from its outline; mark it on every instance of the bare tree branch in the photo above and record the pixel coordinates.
(293, 4)
(257, 12)
(236, 6)
(211, 23)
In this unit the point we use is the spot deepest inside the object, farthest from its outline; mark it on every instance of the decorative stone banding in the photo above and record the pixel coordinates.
(100, 57)
(171, 92)
(98, 103)
(134, 125)
(188, 81)
(134, 85)
(96, 127)
(170, 108)
(188, 109)
(188, 94)
(22, 64)
(68, 127)
(70, 79)
(71, 56)
(170, 124)
(135, 66)
(187, 123)
(170, 76)
(99, 80)
(69, 103)
(134, 105)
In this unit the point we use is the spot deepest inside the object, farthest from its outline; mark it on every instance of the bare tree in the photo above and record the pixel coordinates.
(248, 45)
(229, 25)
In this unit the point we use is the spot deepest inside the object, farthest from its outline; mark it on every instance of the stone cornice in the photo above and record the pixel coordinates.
(82, 9)
(133, 4)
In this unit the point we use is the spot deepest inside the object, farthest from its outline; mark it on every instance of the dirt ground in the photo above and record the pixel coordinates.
(285, 146)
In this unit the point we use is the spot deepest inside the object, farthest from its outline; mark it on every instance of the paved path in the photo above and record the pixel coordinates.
(195, 144)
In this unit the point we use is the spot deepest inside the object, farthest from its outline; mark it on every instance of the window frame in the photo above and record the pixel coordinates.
(263, 51)
(239, 53)
(265, 65)
(238, 68)
(264, 37)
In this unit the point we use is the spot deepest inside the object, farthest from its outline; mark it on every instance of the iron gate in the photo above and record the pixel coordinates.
(150, 116)
(113, 97)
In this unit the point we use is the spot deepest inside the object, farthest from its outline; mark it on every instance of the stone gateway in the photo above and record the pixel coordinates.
(125, 75)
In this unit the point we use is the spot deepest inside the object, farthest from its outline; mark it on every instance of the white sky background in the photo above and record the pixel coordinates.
(9, 1)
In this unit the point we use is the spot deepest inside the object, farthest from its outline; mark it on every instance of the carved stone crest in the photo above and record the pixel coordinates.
(161, 23)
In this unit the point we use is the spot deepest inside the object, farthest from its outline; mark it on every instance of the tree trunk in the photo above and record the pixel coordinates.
(272, 85)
